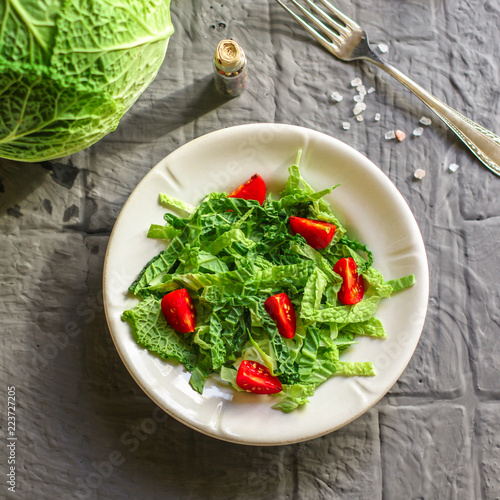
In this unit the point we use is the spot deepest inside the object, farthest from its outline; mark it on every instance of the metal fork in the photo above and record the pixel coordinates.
(344, 38)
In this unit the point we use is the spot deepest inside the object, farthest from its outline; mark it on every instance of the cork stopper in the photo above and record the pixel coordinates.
(229, 56)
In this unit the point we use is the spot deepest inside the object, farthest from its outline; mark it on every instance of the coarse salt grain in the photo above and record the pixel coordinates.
(359, 118)
(335, 97)
(419, 174)
(356, 82)
(400, 135)
(418, 131)
(346, 125)
(359, 108)
(361, 90)
(377, 117)
(371, 90)
(383, 47)
(390, 135)
(357, 98)
(425, 121)
(453, 167)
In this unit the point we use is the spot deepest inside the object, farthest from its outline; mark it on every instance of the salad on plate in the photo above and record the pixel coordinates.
(266, 292)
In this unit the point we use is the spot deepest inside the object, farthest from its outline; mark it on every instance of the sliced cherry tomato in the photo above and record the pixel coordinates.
(280, 308)
(317, 233)
(256, 378)
(352, 289)
(253, 189)
(179, 311)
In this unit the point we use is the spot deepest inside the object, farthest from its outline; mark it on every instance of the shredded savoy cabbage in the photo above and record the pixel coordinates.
(231, 254)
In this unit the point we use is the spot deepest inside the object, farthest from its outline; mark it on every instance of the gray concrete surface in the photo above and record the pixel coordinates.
(436, 435)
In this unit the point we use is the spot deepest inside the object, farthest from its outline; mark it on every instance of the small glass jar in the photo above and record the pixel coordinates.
(230, 68)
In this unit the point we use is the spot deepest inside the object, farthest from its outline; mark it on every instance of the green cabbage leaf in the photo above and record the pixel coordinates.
(231, 254)
(70, 69)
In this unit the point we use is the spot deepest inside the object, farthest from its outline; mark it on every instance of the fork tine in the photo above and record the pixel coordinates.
(342, 30)
(340, 15)
(329, 44)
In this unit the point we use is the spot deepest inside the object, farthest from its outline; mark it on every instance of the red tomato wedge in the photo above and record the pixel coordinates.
(179, 311)
(253, 189)
(280, 308)
(256, 378)
(352, 289)
(317, 233)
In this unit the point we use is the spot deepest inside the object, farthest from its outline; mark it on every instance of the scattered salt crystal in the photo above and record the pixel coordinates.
(357, 98)
(400, 135)
(418, 131)
(371, 90)
(356, 82)
(359, 118)
(377, 117)
(359, 108)
(383, 47)
(390, 135)
(346, 125)
(425, 121)
(335, 97)
(361, 90)
(453, 167)
(419, 174)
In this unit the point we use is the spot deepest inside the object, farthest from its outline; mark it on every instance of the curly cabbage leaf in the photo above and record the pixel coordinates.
(232, 254)
(70, 69)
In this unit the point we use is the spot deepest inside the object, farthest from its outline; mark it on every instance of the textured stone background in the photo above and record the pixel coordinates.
(434, 436)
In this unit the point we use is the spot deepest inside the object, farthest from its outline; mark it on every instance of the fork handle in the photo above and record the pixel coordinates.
(483, 143)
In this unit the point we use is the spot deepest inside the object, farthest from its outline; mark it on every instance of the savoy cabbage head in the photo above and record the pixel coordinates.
(70, 69)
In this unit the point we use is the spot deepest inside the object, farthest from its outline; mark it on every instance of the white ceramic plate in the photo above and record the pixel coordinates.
(367, 203)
